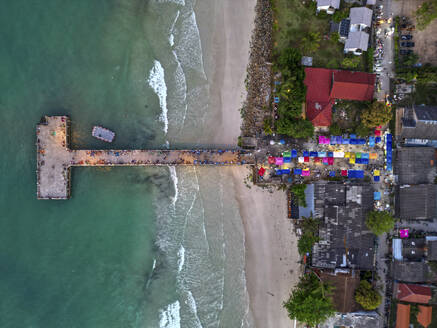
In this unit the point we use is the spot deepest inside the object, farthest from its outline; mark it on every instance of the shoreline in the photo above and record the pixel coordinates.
(238, 45)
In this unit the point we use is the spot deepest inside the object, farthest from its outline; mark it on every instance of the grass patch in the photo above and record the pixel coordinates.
(295, 20)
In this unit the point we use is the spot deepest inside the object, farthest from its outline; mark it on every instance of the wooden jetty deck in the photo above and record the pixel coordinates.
(55, 158)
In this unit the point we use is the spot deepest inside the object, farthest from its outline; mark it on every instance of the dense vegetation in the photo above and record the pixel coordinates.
(299, 192)
(376, 114)
(367, 296)
(310, 302)
(380, 222)
(310, 229)
(292, 95)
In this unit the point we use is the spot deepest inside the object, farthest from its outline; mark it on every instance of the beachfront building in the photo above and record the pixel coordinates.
(418, 125)
(345, 241)
(328, 5)
(324, 86)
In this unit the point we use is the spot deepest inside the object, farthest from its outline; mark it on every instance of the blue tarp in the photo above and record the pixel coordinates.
(345, 142)
(332, 173)
(365, 155)
(278, 172)
(297, 171)
(376, 178)
(359, 174)
(287, 159)
(377, 139)
(282, 142)
(306, 153)
(333, 140)
(294, 153)
(353, 141)
(361, 161)
(339, 140)
(361, 141)
(377, 195)
(321, 154)
(353, 136)
(313, 154)
(285, 171)
(330, 154)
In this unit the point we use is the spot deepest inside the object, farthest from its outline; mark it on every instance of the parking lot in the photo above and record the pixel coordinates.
(425, 42)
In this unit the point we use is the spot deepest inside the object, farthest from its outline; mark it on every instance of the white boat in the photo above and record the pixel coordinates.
(103, 134)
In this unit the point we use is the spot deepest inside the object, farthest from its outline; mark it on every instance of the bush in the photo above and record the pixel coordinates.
(334, 129)
(296, 128)
(339, 15)
(299, 192)
(335, 36)
(426, 13)
(310, 229)
(362, 130)
(367, 296)
(351, 62)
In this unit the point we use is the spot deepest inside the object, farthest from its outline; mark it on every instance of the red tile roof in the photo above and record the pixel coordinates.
(425, 315)
(403, 316)
(322, 92)
(413, 293)
(352, 85)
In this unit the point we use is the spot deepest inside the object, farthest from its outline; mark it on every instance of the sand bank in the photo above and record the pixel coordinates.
(272, 267)
(271, 251)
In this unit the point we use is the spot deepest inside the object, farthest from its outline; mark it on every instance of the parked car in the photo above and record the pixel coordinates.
(406, 37)
(407, 44)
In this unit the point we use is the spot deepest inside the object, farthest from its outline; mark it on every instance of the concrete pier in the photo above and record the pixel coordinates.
(55, 158)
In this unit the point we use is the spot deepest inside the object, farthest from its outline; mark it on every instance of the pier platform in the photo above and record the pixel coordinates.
(55, 158)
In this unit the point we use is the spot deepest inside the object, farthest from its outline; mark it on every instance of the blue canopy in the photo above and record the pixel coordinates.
(287, 159)
(378, 139)
(376, 195)
(294, 153)
(322, 153)
(297, 171)
(333, 140)
(306, 153)
(313, 154)
(376, 178)
(345, 142)
(353, 136)
(332, 173)
(353, 141)
(330, 154)
(285, 171)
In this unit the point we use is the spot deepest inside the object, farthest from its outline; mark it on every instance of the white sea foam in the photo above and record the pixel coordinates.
(171, 37)
(178, 2)
(181, 82)
(157, 83)
(174, 178)
(170, 317)
(181, 258)
(189, 47)
(193, 307)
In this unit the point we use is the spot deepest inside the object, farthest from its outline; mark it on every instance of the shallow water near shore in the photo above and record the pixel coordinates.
(134, 247)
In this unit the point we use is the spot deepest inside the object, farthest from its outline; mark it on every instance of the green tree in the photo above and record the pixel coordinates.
(367, 296)
(268, 126)
(310, 43)
(296, 128)
(376, 114)
(310, 302)
(379, 222)
(410, 60)
(310, 229)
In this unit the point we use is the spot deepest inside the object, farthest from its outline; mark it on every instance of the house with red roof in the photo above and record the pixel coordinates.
(413, 293)
(324, 86)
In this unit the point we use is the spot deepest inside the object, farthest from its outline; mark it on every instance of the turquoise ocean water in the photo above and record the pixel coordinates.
(134, 247)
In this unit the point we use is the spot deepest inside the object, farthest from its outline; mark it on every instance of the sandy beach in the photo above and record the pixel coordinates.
(272, 267)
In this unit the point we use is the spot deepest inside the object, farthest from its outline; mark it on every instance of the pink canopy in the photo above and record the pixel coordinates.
(325, 160)
(323, 140)
(279, 161)
(404, 233)
(306, 172)
(330, 161)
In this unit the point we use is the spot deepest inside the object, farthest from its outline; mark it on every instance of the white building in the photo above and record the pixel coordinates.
(328, 5)
(360, 22)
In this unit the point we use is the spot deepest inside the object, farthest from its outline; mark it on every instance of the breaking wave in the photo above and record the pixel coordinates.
(170, 317)
(156, 81)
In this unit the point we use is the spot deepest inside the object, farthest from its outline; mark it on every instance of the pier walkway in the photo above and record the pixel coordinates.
(55, 158)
